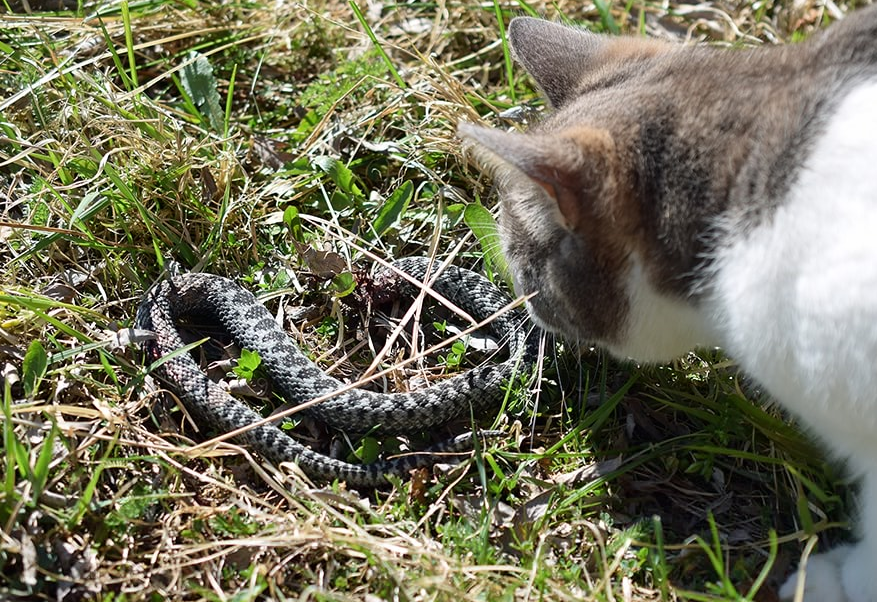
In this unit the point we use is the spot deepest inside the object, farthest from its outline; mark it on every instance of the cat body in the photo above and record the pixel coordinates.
(691, 196)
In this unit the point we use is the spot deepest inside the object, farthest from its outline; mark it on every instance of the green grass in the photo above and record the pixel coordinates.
(266, 142)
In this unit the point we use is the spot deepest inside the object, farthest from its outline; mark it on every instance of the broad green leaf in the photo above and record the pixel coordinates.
(36, 361)
(41, 469)
(293, 221)
(339, 173)
(454, 212)
(368, 450)
(394, 207)
(343, 284)
(483, 226)
(197, 78)
(247, 364)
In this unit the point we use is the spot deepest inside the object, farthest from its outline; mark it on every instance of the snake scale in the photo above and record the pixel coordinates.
(298, 380)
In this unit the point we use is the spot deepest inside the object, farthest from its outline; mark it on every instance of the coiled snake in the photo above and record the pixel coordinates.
(298, 380)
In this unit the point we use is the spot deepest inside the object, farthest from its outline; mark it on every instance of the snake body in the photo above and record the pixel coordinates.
(298, 380)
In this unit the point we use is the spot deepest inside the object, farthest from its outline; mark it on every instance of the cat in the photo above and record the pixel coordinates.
(690, 196)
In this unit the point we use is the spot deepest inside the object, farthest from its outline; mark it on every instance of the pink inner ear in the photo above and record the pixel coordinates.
(570, 207)
(552, 180)
(547, 187)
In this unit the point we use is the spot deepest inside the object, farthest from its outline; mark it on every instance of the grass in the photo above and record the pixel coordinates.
(271, 142)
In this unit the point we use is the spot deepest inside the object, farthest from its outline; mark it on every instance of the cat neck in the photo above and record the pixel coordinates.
(661, 327)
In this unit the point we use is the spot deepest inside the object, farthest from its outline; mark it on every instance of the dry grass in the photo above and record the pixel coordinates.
(109, 168)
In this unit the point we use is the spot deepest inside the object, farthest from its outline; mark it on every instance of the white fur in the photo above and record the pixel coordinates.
(821, 578)
(660, 328)
(796, 301)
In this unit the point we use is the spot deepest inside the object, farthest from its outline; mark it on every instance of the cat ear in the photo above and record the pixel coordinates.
(566, 167)
(555, 55)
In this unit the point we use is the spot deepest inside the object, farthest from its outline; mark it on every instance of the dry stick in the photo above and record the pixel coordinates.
(23, 226)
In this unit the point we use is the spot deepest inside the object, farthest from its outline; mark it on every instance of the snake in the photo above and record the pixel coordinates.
(196, 295)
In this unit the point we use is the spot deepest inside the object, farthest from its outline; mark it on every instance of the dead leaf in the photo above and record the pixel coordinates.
(325, 264)
(268, 153)
(60, 292)
(587, 474)
(418, 488)
(209, 189)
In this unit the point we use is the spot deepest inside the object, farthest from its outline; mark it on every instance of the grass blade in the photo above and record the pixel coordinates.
(371, 34)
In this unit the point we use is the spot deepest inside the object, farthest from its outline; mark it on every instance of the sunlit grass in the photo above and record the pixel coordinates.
(247, 140)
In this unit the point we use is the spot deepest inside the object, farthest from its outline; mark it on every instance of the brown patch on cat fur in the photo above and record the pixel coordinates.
(701, 138)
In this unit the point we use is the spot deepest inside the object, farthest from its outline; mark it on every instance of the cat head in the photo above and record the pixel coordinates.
(571, 221)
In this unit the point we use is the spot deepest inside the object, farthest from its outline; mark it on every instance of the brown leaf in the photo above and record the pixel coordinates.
(418, 489)
(325, 264)
(268, 153)
(586, 474)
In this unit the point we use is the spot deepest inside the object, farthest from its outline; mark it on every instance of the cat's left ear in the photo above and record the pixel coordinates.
(560, 58)
(571, 167)
(555, 55)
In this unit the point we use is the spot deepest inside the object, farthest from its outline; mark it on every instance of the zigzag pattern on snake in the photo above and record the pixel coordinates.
(298, 380)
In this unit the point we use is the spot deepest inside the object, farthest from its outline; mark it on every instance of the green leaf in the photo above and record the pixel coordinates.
(483, 226)
(454, 212)
(248, 363)
(371, 34)
(91, 202)
(368, 450)
(341, 200)
(22, 458)
(339, 173)
(199, 83)
(305, 126)
(455, 357)
(129, 43)
(605, 10)
(40, 475)
(293, 221)
(36, 361)
(394, 207)
(343, 284)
